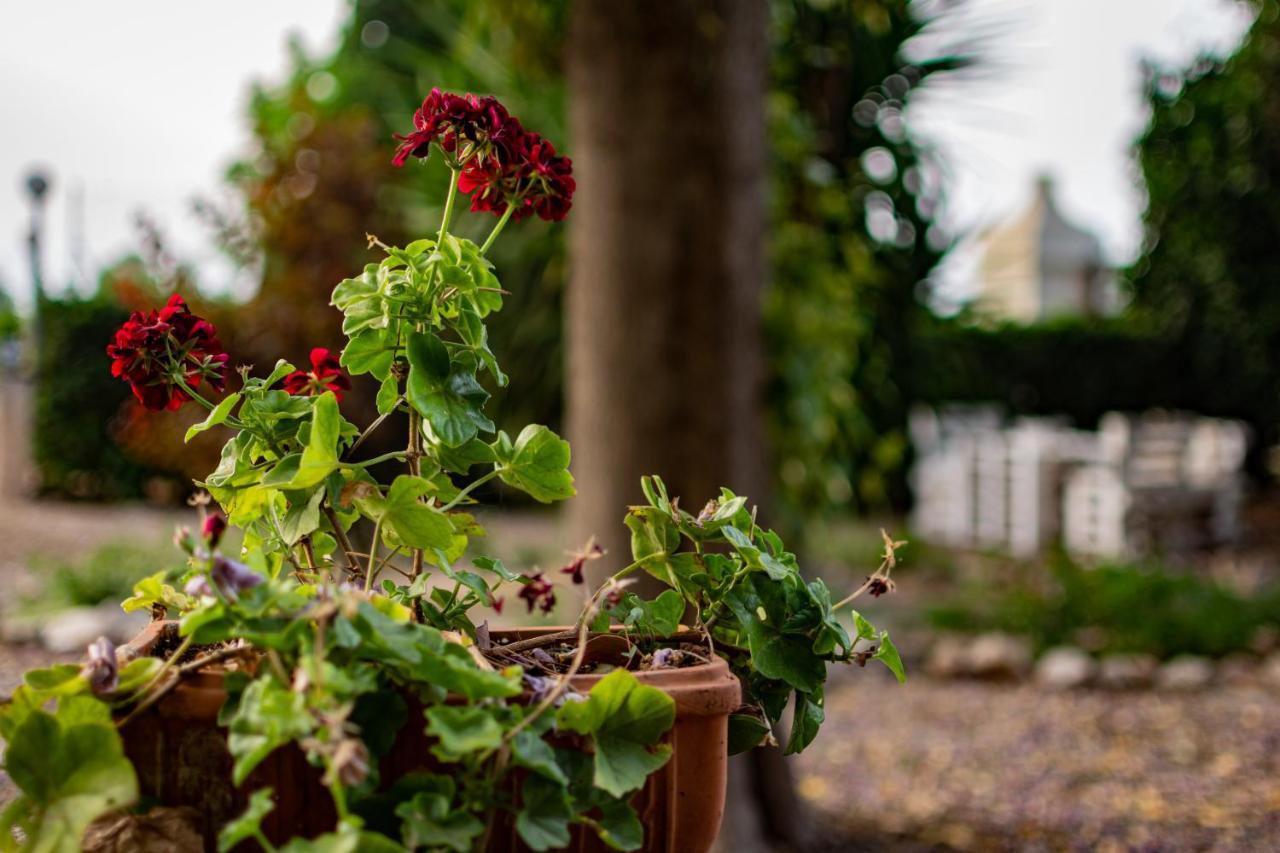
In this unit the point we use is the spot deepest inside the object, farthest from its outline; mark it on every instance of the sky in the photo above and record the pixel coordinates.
(140, 106)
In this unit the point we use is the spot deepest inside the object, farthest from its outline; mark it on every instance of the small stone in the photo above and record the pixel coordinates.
(999, 656)
(1271, 669)
(1239, 670)
(1127, 672)
(1064, 668)
(947, 658)
(73, 630)
(1185, 672)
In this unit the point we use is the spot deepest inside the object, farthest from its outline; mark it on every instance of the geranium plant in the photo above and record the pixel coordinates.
(330, 647)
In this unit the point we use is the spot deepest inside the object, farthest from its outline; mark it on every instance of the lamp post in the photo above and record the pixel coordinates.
(37, 186)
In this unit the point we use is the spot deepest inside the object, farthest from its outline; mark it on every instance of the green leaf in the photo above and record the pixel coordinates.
(61, 679)
(863, 629)
(152, 590)
(431, 821)
(219, 415)
(462, 729)
(269, 716)
(660, 617)
(806, 720)
(619, 826)
(545, 812)
(369, 351)
(626, 719)
(746, 731)
(539, 465)
(492, 564)
(320, 458)
(406, 519)
(70, 773)
(445, 393)
(249, 823)
(529, 750)
(346, 840)
(888, 655)
(303, 517)
(388, 395)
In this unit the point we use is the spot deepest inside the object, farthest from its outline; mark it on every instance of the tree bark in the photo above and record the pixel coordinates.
(666, 251)
(666, 247)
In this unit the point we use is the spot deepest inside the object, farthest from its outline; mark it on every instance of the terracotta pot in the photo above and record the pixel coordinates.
(182, 759)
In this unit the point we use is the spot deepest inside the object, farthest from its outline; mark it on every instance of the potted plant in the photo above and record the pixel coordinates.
(309, 693)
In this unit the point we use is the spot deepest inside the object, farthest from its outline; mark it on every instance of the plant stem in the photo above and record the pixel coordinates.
(373, 554)
(415, 469)
(341, 535)
(368, 463)
(448, 204)
(497, 229)
(475, 484)
(369, 429)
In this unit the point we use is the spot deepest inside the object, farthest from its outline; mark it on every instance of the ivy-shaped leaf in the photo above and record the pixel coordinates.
(539, 465)
(444, 392)
(888, 655)
(462, 729)
(407, 520)
(249, 823)
(431, 821)
(626, 720)
(218, 416)
(70, 773)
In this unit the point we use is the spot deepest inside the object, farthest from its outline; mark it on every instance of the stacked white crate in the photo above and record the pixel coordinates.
(1137, 483)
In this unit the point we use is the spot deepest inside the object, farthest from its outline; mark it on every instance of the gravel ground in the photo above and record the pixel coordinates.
(972, 766)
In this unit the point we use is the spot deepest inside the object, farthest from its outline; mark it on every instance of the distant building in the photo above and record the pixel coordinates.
(1039, 266)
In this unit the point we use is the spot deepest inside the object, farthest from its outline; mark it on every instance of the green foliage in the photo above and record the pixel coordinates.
(781, 631)
(1123, 608)
(1209, 162)
(1119, 365)
(71, 769)
(78, 403)
(106, 574)
(625, 720)
(850, 247)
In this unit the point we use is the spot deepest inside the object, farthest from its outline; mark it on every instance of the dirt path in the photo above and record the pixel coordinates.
(972, 766)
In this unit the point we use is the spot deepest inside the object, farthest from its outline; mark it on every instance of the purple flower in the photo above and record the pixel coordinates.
(664, 658)
(198, 586)
(102, 670)
(232, 578)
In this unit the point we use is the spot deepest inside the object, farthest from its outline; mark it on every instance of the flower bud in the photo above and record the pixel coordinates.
(102, 670)
(214, 526)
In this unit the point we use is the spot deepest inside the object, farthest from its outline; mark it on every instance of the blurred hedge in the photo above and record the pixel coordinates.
(77, 401)
(1081, 369)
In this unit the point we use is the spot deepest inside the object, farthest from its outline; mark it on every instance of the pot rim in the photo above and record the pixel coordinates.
(704, 689)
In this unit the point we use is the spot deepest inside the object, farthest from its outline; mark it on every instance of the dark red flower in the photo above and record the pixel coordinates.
(539, 592)
(152, 351)
(466, 126)
(575, 566)
(549, 186)
(325, 375)
(877, 587)
(214, 526)
(497, 604)
(502, 164)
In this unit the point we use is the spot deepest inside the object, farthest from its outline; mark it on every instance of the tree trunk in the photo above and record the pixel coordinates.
(666, 251)
(667, 259)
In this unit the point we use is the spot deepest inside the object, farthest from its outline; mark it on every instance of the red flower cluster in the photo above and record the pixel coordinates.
(502, 163)
(325, 375)
(152, 351)
(538, 592)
